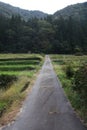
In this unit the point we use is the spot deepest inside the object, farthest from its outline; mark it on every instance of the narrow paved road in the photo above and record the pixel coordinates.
(46, 107)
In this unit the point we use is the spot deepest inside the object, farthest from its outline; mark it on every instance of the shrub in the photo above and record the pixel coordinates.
(80, 82)
(3, 106)
(69, 71)
(6, 80)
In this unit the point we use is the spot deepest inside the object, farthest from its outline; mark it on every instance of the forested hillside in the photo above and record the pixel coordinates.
(48, 35)
(8, 10)
(77, 11)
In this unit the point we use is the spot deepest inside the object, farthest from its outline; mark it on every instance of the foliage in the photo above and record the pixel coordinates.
(69, 70)
(80, 82)
(76, 87)
(46, 35)
(3, 106)
(6, 80)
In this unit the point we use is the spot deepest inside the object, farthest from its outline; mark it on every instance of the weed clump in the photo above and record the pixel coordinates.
(80, 82)
(6, 80)
(69, 71)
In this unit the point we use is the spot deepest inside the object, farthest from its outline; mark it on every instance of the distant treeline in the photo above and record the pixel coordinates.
(43, 35)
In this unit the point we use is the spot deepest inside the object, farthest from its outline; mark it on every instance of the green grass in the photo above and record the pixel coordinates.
(23, 66)
(17, 67)
(21, 56)
(17, 73)
(18, 62)
(60, 63)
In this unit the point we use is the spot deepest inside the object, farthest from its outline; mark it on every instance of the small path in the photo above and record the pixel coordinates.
(46, 107)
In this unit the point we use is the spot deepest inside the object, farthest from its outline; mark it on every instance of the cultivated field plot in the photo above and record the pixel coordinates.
(13, 64)
(72, 72)
(16, 73)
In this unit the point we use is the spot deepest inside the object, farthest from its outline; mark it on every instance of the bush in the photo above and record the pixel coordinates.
(3, 106)
(69, 71)
(6, 80)
(80, 82)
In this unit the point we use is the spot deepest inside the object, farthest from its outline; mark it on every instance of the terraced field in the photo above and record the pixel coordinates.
(16, 74)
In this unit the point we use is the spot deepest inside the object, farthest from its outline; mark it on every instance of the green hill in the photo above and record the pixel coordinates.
(8, 10)
(77, 11)
(53, 34)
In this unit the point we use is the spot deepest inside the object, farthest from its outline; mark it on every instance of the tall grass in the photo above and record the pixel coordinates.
(23, 67)
(62, 65)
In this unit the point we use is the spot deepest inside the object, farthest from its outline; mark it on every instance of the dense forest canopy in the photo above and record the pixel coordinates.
(47, 35)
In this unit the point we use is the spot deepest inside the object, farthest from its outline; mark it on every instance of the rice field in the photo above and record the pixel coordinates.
(16, 74)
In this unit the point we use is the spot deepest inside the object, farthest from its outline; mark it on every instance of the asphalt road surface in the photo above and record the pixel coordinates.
(46, 107)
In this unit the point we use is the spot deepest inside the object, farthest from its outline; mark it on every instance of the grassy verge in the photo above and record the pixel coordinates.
(17, 72)
(60, 63)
